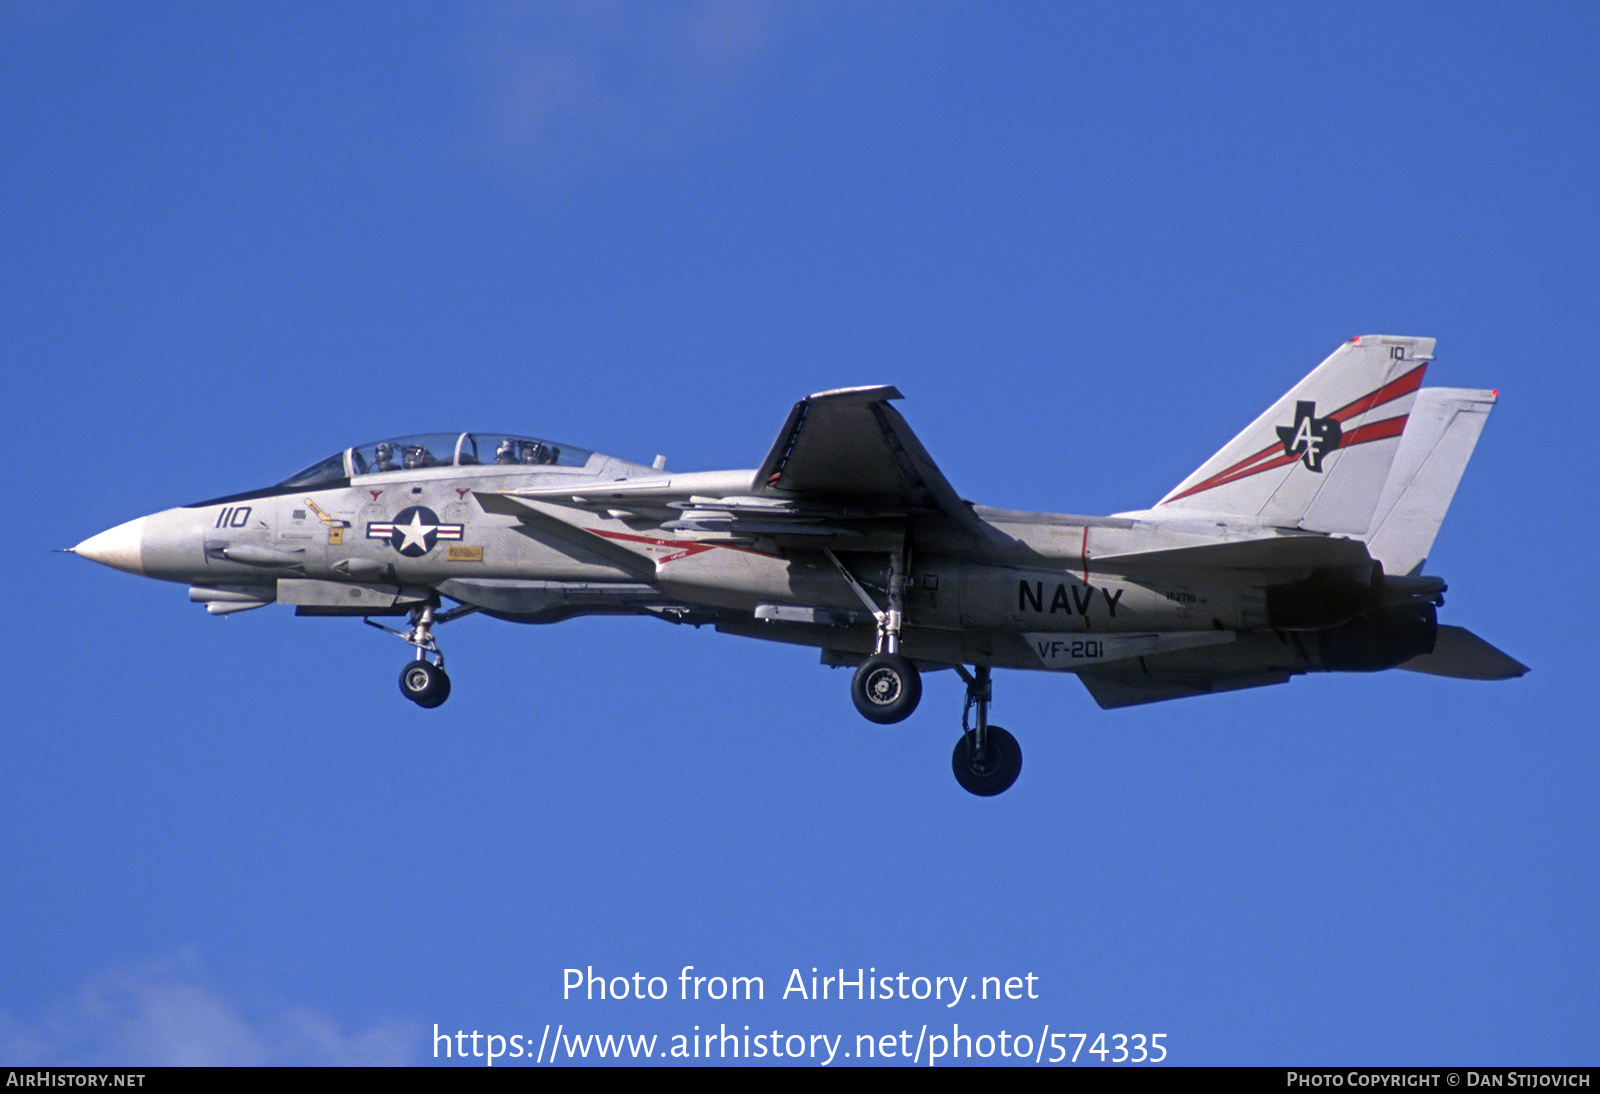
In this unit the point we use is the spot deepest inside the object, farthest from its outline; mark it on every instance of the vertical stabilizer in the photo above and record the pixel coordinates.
(1438, 441)
(1319, 457)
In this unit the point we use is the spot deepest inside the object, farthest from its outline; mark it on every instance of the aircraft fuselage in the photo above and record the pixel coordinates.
(1298, 547)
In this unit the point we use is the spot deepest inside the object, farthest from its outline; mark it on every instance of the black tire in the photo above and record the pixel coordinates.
(424, 683)
(886, 688)
(1001, 765)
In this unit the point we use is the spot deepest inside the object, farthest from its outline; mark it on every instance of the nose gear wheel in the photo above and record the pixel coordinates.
(424, 683)
(424, 680)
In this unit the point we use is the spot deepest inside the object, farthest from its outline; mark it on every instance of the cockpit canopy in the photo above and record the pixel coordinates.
(438, 450)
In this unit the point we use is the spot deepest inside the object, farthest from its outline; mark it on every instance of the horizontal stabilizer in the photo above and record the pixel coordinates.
(1129, 689)
(1463, 655)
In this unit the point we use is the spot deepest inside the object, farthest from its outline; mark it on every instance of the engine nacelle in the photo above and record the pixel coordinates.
(1325, 599)
(1380, 640)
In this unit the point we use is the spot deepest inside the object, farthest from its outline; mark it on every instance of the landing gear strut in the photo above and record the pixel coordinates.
(424, 681)
(987, 759)
(887, 687)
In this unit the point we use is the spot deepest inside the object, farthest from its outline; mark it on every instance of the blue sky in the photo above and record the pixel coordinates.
(1087, 245)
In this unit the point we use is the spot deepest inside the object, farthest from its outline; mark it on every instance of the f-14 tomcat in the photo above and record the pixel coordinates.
(1297, 548)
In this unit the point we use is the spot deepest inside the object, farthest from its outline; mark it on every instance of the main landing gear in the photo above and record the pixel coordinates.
(887, 688)
(987, 759)
(424, 681)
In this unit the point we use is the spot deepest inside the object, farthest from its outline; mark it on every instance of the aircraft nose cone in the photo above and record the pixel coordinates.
(121, 548)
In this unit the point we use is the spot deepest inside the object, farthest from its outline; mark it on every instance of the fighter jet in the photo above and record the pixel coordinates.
(1298, 547)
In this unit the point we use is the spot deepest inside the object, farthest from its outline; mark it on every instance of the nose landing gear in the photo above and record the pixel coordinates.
(424, 681)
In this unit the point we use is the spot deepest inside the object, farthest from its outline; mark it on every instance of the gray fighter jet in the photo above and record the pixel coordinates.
(1297, 548)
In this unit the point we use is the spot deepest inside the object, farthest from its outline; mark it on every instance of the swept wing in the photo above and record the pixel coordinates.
(844, 461)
